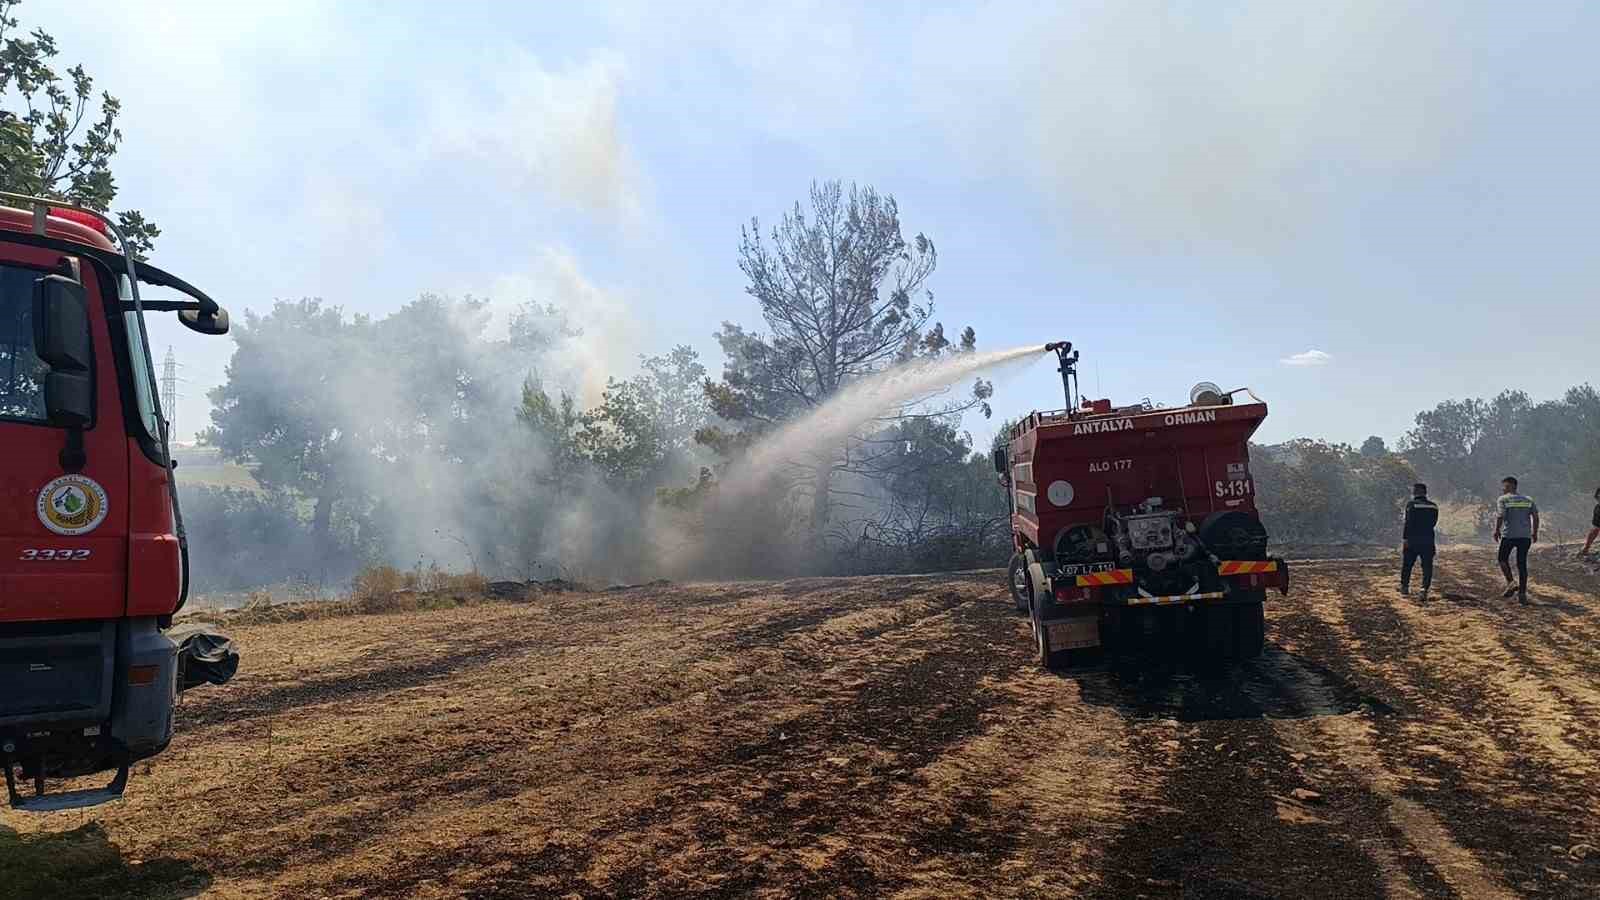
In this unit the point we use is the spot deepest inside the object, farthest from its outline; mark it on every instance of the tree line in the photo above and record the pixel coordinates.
(1318, 491)
(425, 436)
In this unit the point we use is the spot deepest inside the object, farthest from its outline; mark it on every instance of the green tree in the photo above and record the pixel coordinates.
(279, 410)
(1468, 445)
(1380, 487)
(926, 501)
(1002, 436)
(557, 423)
(54, 142)
(1316, 491)
(643, 431)
(843, 294)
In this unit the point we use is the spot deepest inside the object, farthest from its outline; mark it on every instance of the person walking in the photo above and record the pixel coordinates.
(1594, 525)
(1416, 540)
(1516, 527)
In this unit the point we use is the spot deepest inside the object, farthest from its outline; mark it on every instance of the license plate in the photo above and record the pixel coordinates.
(1086, 568)
(1075, 634)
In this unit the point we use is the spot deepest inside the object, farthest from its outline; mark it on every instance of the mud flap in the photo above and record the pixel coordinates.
(1077, 633)
(43, 802)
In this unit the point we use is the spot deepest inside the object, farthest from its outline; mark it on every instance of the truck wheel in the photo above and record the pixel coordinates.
(1017, 577)
(1250, 629)
(1229, 633)
(1216, 634)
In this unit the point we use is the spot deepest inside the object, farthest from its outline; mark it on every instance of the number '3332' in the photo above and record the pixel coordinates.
(32, 554)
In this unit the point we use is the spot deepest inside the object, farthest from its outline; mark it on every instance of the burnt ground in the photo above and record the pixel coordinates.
(869, 737)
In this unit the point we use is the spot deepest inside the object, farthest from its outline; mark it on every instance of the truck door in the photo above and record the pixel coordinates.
(63, 534)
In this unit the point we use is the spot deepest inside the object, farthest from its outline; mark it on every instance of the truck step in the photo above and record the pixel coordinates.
(42, 802)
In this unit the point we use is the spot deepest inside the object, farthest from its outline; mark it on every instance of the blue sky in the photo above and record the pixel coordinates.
(1188, 191)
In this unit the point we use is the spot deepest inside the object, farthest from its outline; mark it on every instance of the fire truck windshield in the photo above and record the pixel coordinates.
(21, 371)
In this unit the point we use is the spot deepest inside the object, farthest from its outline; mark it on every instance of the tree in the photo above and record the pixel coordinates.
(1002, 436)
(54, 143)
(643, 431)
(1469, 445)
(557, 423)
(1374, 447)
(843, 294)
(280, 409)
(401, 433)
(922, 500)
(1315, 491)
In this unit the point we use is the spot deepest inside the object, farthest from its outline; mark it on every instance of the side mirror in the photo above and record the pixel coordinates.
(1000, 461)
(195, 320)
(63, 342)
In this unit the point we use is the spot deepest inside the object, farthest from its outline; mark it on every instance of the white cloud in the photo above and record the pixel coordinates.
(1307, 359)
(1153, 124)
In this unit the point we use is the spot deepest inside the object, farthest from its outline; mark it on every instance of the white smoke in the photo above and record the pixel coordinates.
(556, 131)
(613, 330)
(826, 429)
(746, 511)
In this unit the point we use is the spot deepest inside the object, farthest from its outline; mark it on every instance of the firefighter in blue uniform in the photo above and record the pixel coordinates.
(1416, 541)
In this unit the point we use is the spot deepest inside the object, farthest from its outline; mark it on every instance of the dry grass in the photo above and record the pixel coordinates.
(1461, 522)
(376, 590)
(383, 589)
(867, 737)
(376, 582)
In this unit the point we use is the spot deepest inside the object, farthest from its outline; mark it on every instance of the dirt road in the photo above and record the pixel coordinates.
(869, 737)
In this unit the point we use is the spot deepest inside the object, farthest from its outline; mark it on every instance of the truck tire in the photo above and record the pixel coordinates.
(1233, 632)
(1216, 635)
(1250, 628)
(1017, 579)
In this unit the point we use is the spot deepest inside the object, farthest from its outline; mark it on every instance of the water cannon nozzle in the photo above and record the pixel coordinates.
(1062, 346)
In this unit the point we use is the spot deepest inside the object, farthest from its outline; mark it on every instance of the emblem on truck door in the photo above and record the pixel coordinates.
(72, 505)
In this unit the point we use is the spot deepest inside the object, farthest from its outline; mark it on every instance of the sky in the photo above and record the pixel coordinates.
(1358, 210)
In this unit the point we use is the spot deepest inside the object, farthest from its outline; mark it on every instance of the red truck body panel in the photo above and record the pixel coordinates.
(1196, 458)
(46, 575)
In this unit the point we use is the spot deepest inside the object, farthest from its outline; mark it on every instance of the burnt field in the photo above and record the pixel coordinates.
(869, 737)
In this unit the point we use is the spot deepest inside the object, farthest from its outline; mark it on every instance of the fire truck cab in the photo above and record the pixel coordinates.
(1135, 522)
(93, 555)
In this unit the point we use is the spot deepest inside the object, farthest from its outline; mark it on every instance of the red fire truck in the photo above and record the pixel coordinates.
(93, 555)
(1135, 522)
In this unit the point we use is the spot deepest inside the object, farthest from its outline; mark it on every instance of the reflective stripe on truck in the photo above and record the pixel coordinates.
(1175, 598)
(1246, 567)
(1109, 577)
